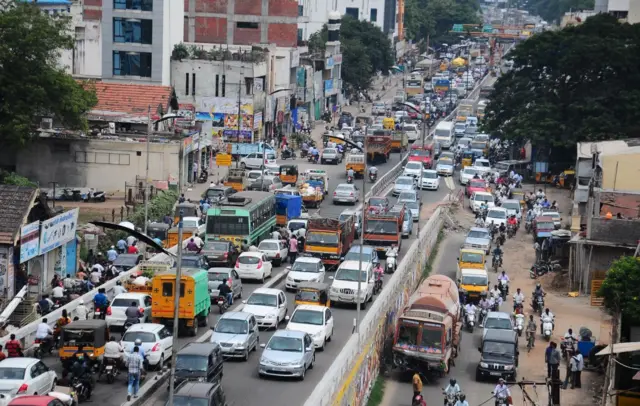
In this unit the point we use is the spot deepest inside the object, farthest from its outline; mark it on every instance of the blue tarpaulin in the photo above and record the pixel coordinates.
(290, 206)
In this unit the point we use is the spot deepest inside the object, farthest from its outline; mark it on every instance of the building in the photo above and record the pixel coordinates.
(242, 22)
(606, 214)
(625, 10)
(575, 17)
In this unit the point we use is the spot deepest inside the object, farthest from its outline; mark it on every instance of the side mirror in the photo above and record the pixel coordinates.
(309, 349)
(263, 346)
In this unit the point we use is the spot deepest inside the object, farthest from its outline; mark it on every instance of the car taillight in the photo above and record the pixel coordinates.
(156, 347)
(23, 388)
(259, 264)
(335, 194)
(278, 255)
(237, 263)
(226, 255)
(109, 311)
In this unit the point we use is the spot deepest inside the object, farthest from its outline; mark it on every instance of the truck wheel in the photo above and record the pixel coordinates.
(193, 331)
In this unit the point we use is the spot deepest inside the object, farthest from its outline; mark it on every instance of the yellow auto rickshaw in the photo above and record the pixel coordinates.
(289, 174)
(235, 179)
(188, 210)
(467, 159)
(388, 123)
(567, 178)
(91, 335)
(159, 231)
(313, 293)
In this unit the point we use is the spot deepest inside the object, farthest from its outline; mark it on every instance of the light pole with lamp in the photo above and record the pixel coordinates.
(424, 134)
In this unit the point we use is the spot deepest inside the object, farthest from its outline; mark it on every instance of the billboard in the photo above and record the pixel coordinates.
(59, 230)
(29, 241)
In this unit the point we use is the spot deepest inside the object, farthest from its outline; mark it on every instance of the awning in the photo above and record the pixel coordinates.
(620, 348)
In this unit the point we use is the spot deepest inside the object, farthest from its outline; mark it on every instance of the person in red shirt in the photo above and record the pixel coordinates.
(2, 354)
(132, 249)
(512, 221)
(14, 349)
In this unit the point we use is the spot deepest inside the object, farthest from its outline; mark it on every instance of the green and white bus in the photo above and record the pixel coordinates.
(243, 218)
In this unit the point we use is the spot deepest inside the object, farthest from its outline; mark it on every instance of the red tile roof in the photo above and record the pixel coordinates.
(130, 99)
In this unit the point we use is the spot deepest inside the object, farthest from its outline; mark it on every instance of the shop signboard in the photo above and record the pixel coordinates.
(29, 241)
(59, 230)
(223, 159)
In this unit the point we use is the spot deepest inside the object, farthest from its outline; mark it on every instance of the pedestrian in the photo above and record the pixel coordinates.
(14, 349)
(134, 365)
(195, 171)
(569, 375)
(536, 247)
(417, 385)
(577, 363)
(293, 249)
(547, 356)
(553, 359)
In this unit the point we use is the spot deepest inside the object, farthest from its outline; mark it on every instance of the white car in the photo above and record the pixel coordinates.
(269, 306)
(274, 250)
(251, 177)
(430, 179)
(255, 160)
(445, 167)
(314, 320)
(467, 174)
(253, 265)
(482, 163)
(513, 207)
(305, 269)
(412, 132)
(399, 114)
(195, 223)
(115, 312)
(25, 376)
(497, 216)
(344, 287)
(157, 342)
(413, 169)
(477, 198)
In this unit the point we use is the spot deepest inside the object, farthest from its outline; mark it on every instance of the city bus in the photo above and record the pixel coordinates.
(243, 218)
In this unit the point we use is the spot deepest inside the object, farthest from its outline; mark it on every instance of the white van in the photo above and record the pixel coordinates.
(444, 134)
(412, 132)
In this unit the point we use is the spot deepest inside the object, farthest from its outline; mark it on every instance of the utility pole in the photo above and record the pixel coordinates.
(176, 314)
(364, 208)
(53, 198)
(146, 176)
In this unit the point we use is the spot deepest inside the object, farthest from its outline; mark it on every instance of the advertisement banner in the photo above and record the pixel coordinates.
(226, 105)
(257, 120)
(29, 241)
(58, 230)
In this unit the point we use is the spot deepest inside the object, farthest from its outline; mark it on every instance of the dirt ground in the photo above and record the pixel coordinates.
(95, 211)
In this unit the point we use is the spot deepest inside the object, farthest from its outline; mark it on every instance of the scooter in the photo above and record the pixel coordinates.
(496, 263)
(471, 321)
(204, 176)
(450, 399)
(547, 327)
(504, 288)
(95, 196)
(483, 315)
(527, 226)
(223, 304)
(373, 177)
(519, 324)
(391, 261)
(349, 179)
(43, 347)
(288, 154)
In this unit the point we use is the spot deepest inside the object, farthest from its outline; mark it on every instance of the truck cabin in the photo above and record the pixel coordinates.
(415, 333)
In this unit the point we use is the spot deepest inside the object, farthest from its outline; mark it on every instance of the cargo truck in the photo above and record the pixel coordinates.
(329, 239)
(378, 146)
(383, 230)
(465, 110)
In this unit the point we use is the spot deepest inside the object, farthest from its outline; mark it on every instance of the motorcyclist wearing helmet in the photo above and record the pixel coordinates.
(452, 389)
(538, 291)
(462, 400)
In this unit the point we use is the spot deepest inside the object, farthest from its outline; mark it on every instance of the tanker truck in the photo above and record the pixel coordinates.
(427, 335)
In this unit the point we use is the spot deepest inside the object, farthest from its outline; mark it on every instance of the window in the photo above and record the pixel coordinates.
(131, 30)
(131, 63)
(352, 12)
(102, 158)
(186, 84)
(244, 24)
(374, 15)
(248, 84)
(300, 10)
(142, 5)
(217, 85)
(299, 34)
(167, 289)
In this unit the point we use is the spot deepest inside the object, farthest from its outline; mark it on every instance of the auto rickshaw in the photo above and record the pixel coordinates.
(313, 293)
(519, 195)
(235, 179)
(188, 210)
(91, 335)
(566, 179)
(467, 159)
(289, 174)
(159, 231)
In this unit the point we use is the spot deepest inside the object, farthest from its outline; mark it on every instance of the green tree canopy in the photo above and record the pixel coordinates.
(568, 86)
(435, 18)
(31, 82)
(365, 51)
(552, 10)
(621, 288)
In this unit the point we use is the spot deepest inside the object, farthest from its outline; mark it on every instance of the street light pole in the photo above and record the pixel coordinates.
(364, 180)
(176, 314)
(146, 176)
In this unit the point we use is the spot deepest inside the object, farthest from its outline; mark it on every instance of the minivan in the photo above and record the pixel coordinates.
(237, 334)
(200, 393)
(498, 355)
(344, 287)
(199, 362)
(444, 134)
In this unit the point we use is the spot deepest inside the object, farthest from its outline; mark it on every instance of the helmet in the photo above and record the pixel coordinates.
(81, 302)
(452, 381)
(138, 341)
(538, 285)
(118, 283)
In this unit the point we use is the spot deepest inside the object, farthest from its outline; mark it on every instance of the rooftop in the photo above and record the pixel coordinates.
(15, 203)
(616, 147)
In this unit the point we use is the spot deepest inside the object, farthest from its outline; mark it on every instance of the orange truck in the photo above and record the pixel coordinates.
(427, 336)
(383, 230)
(329, 239)
(378, 146)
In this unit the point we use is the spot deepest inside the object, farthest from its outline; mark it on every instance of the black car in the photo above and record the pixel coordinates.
(219, 254)
(200, 362)
(499, 355)
(125, 262)
(196, 261)
(200, 393)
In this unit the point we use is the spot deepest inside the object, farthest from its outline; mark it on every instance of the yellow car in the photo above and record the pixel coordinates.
(474, 282)
(471, 259)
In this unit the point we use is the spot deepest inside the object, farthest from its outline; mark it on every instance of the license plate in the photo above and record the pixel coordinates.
(109, 368)
(37, 345)
(220, 302)
(496, 374)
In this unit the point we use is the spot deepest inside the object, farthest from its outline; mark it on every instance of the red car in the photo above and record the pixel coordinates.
(36, 400)
(412, 114)
(422, 155)
(379, 204)
(475, 185)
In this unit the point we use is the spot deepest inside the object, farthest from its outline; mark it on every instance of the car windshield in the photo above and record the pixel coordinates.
(123, 302)
(484, 164)
(497, 214)
(218, 276)
(308, 317)
(145, 337)
(190, 223)
(300, 266)
(429, 175)
(231, 326)
(472, 257)
(483, 198)
(249, 260)
(288, 344)
(412, 205)
(498, 323)
(296, 225)
(445, 162)
(407, 197)
(478, 183)
(381, 226)
(413, 166)
(263, 299)
(420, 152)
(330, 151)
(12, 373)
(354, 255)
(344, 188)
(351, 275)
(345, 217)
(470, 171)
(377, 201)
(511, 206)
(404, 181)
(189, 401)
(477, 280)
(216, 246)
(498, 349)
(461, 126)
(319, 238)
(268, 246)
(543, 225)
(478, 234)
(188, 362)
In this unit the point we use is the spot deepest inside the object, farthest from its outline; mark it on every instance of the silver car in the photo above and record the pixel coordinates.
(346, 193)
(237, 334)
(288, 353)
(414, 208)
(219, 275)
(444, 167)
(330, 155)
(479, 238)
(404, 184)
(407, 227)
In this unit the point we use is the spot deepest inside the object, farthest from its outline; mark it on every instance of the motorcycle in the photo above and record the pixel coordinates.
(377, 287)
(99, 314)
(204, 176)
(80, 389)
(471, 321)
(501, 238)
(391, 262)
(527, 226)
(496, 262)
(511, 231)
(501, 400)
(327, 117)
(373, 177)
(483, 315)
(288, 154)
(94, 196)
(547, 327)
(110, 369)
(538, 304)
(567, 344)
(504, 288)
(128, 324)
(43, 347)
(223, 304)
(349, 179)
(450, 398)
(519, 324)
(304, 153)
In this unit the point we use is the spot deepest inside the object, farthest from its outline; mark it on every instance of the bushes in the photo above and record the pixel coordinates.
(159, 206)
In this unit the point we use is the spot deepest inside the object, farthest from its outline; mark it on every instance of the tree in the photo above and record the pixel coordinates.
(32, 83)
(621, 288)
(435, 18)
(552, 10)
(568, 86)
(365, 51)
(11, 178)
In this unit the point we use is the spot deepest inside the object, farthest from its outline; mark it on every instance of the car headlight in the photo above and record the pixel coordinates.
(318, 334)
(264, 361)
(270, 316)
(334, 290)
(508, 367)
(289, 278)
(484, 365)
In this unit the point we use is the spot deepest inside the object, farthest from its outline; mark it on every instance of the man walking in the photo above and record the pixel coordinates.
(293, 249)
(577, 363)
(552, 358)
(134, 364)
(195, 171)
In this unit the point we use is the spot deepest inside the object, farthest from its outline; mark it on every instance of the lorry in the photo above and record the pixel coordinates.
(329, 239)
(465, 110)
(427, 335)
(194, 305)
(148, 269)
(287, 208)
(399, 96)
(314, 187)
(238, 149)
(399, 141)
(378, 146)
(383, 230)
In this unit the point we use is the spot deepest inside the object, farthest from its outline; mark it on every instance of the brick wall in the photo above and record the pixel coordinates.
(246, 36)
(211, 6)
(91, 14)
(211, 30)
(283, 35)
(286, 8)
(248, 7)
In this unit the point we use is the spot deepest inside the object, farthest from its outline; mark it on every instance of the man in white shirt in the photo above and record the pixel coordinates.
(130, 240)
(43, 331)
(113, 350)
(501, 391)
(518, 298)
(96, 274)
(81, 310)
(198, 241)
(118, 289)
(57, 292)
(576, 364)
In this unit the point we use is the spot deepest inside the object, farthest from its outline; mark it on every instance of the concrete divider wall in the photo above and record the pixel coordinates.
(350, 378)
